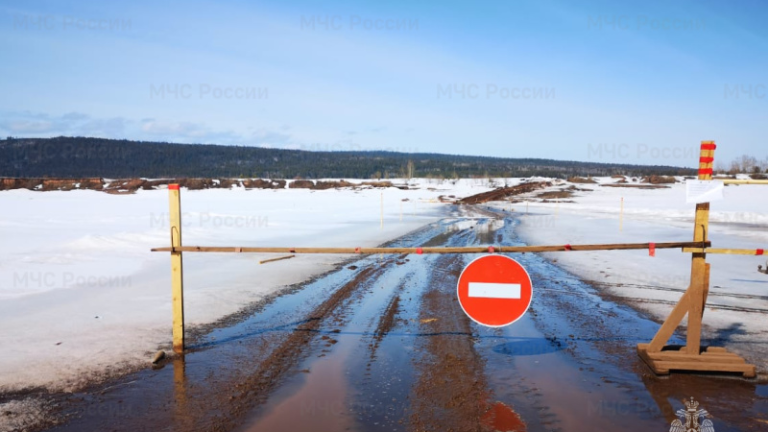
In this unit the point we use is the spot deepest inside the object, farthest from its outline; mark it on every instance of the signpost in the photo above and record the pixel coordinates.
(495, 290)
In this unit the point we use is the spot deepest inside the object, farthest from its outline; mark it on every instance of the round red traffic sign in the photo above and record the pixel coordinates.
(495, 290)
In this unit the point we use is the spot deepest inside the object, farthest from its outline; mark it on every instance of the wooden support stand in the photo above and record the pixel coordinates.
(662, 359)
(712, 359)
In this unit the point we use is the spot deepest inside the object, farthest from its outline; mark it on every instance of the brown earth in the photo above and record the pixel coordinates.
(451, 389)
(581, 180)
(656, 179)
(561, 194)
(636, 186)
(502, 193)
(51, 184)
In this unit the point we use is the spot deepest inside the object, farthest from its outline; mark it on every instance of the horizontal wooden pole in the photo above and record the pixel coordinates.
(435, 250)
(725, 251)
(745, 182)
(276, 259)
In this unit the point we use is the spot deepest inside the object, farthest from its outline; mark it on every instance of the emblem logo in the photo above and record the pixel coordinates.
(692, 419)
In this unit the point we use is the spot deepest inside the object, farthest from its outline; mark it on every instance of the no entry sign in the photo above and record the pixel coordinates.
(495, 290)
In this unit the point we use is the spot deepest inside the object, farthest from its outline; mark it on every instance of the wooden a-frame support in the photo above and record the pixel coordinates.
(691, 357)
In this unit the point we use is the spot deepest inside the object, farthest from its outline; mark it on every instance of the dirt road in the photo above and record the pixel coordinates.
(381, 344)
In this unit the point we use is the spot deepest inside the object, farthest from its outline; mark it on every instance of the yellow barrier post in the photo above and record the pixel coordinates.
(177, 274)
(621, 215)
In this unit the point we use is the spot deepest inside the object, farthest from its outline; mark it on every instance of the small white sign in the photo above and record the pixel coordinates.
(494, 290)
(703, 191)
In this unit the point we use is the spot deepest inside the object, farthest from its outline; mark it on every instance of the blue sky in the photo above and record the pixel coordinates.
(632, 82)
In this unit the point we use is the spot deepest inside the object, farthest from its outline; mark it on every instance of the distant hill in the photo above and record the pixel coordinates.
(75, 157)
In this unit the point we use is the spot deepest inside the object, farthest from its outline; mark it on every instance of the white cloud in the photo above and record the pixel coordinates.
(29, 126)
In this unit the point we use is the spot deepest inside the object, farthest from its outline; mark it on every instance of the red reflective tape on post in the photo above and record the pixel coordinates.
(490, 249)
(568, 247)
(419, 251)
(760, 252)
(708, 146)
(173, 187)
(705, 171)
(706, 160)
(652, 249)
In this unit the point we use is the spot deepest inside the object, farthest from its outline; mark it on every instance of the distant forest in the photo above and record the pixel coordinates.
(77, 157)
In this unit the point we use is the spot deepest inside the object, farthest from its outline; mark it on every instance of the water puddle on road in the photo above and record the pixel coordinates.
(316, 401)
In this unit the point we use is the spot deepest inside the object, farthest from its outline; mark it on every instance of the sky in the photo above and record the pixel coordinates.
(606, 81)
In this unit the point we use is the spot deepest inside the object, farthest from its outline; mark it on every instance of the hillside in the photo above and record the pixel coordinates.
(78, 157)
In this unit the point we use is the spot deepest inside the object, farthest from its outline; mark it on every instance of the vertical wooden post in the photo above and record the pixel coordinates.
(177, 274)
(692, 302)
(699, 273)
(621, 216)
(662, 359)
(382, 211)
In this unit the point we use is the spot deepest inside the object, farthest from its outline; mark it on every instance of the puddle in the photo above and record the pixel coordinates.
(319, 402)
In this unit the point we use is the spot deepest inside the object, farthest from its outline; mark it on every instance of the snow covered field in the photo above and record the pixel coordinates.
(655, 284)
(81, 296)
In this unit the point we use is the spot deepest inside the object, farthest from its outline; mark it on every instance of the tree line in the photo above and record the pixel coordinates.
(744, 164)
(77, 157)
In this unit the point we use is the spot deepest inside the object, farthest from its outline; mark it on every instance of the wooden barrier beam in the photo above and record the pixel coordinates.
(756, 252)
(177, 271)
(744, 182)
(276, 259)
(435, 250)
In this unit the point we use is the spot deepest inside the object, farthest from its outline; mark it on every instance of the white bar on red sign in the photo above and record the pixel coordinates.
(494, 290)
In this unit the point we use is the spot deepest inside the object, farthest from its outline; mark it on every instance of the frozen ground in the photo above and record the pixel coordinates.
(738, 301)
(82, 297)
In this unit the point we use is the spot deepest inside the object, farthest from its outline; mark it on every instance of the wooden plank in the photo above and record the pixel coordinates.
(745, 182)
(705, 293)
(720, 355)
(723, 251)
(177, 271)
(747, 369)
(651, 363)
(681, 357)
(703, 363)
(431, 250)
(670, 324)
(276, 259)
(677, 350)
(695, 302)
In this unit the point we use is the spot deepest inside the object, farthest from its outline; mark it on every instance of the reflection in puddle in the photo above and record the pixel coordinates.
(319, 404)
(527, 347)
(502, 418)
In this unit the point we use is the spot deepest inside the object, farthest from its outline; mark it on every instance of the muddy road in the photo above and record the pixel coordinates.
(381, 344)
